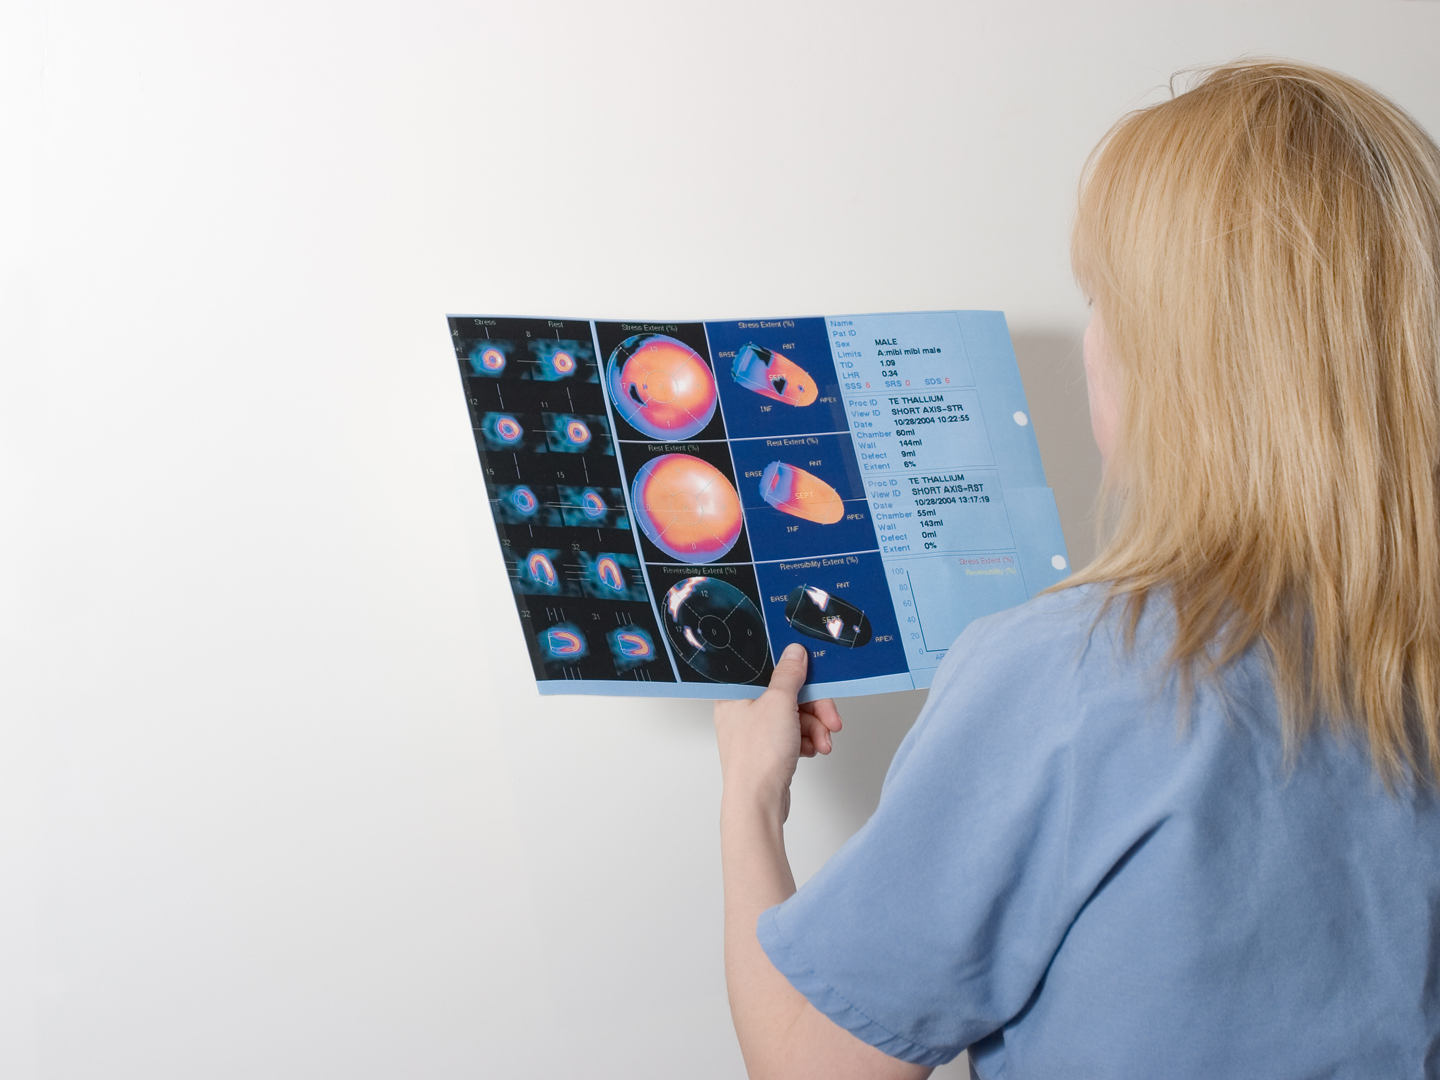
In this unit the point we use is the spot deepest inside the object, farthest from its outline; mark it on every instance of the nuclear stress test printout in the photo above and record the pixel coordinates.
(678, 502)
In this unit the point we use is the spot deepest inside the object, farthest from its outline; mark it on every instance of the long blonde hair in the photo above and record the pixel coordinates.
(1265, 250)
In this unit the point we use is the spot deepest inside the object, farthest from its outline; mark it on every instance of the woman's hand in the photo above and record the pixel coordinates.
(761, 741)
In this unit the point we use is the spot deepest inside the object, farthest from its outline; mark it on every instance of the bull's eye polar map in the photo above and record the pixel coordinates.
(677, 502)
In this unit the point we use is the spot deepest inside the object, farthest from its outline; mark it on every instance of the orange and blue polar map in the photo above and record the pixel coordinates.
(678, 502)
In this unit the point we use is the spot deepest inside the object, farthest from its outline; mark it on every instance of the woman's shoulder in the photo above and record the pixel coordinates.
(1018, 683)
(1067, 674)
(1061, 643)
(1046, 620)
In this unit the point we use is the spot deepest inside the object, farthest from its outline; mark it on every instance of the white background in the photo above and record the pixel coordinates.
(277, 795)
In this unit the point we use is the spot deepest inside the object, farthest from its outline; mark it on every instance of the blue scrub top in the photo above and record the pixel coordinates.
(1063, 880)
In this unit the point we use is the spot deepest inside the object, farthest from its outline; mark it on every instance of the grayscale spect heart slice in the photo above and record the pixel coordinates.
(716, 630)
(823, 615)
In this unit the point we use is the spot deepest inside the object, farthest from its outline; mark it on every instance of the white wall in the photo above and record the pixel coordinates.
(277, 796)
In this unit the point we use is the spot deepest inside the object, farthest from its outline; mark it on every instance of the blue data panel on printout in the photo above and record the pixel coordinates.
(678, 502)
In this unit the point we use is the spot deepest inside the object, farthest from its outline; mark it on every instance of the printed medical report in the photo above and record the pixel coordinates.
(678, 502)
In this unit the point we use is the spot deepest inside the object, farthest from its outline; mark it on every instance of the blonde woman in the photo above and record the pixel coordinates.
(1179, 817)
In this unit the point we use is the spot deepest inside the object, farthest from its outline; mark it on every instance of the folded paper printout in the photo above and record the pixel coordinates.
(677, 502)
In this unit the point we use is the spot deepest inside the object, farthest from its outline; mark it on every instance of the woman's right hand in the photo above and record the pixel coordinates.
(761, 741)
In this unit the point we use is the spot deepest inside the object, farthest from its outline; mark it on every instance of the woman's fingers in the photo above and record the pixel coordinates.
(814, 731)
(754, 734)
(825, 711)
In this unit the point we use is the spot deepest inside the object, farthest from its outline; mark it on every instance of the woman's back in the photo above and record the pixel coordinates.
(1102, 894)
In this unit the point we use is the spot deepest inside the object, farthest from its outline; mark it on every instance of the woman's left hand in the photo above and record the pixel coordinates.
(761, 741)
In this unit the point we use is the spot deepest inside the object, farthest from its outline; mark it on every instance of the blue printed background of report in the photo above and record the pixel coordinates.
(925, 446)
